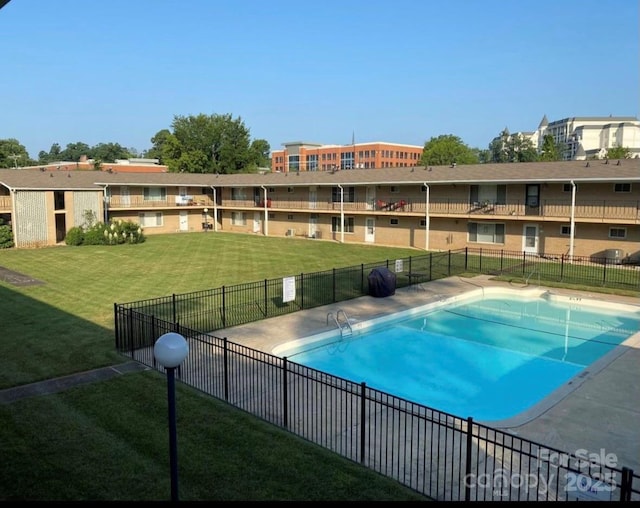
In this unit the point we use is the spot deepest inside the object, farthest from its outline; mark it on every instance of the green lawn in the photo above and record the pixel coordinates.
(108, 440)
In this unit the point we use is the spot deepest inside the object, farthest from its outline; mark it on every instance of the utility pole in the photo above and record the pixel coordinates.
(15, 159)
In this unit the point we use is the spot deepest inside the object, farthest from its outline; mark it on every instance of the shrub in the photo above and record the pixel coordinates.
(6, 237)
(98, 233)
(75, 236)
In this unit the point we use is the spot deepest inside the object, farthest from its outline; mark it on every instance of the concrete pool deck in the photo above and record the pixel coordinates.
(597, 411)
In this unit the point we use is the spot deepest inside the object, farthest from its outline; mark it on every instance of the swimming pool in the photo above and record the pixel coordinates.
(490, 354)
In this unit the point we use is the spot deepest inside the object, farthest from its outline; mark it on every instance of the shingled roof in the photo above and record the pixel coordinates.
(626, 170)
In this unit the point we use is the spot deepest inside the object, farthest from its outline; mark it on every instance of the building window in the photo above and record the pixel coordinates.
(618, 233)
(495, 194)
(272, 215)
(347, 160)
(622, 187)
(155, 194)
(238, 194)
(349, 194)
(312, 162)
(290, 217)
(294, 163)
(394, 188)
(237, 219)
(567, 187)
(423, 222)
(394, 221)
(150, 219)
(482, 232)
(290, 190)
(335, 225)
(565, 230)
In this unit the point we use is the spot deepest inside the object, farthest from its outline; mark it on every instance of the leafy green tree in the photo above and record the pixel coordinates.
(158, 141)
(52, 156)
(508, 147)
(206, 144)
(108, 152)
(261, 153)
(447, 149)
(521, 149)
(551, 151)
(499, 147)
(619, 152)
(73, 152)
(13, 154)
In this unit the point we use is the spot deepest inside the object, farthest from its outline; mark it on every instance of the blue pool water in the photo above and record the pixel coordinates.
(490, 358)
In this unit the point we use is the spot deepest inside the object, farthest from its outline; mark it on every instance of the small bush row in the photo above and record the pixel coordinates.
(114, 233)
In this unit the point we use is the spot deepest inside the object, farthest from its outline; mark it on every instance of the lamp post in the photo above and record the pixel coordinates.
(206, 219)
(170, 350)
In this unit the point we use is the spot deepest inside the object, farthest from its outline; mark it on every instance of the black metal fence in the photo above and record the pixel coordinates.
(226, 306)
(441, 455)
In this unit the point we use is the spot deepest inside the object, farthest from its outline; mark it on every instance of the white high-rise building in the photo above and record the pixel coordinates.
(590, 137)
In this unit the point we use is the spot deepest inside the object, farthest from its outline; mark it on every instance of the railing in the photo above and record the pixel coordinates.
(444, 456)
(5, 203)
(398, 205)
(440, 455)
(136, 201)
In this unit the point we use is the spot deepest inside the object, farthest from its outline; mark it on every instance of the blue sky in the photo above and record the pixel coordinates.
(403, 71)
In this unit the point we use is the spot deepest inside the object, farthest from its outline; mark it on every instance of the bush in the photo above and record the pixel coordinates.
(6, 237)
(75, 236)
(98, 233)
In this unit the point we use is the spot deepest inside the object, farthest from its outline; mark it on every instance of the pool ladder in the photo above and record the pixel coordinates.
(344, 325)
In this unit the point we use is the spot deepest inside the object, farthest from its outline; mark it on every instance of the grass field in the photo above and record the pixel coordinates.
(109, 440)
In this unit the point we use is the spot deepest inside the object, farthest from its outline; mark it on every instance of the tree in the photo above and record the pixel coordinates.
(261, 153)
(207, 144)
(108, 152)
(619, 152)
(158, 141)
(498, 147)
(52, 156)
(447, 149)
(74, 151)
(13, 154)
(507, 147)
(551, 151)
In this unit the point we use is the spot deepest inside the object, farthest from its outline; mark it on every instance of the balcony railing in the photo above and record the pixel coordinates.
(397, 205)
(5, 203)
(198, 201)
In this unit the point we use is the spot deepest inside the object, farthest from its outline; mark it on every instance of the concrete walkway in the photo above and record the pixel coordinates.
(62, 383)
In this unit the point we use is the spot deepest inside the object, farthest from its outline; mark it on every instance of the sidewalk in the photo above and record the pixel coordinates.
(62, 383)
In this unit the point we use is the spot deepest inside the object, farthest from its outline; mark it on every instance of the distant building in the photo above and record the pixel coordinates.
(306, 156)
(588, 137)
(134, 165)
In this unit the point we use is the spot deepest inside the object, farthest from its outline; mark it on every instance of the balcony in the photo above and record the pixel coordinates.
(138, 202)
(600, 210)
(5, 203)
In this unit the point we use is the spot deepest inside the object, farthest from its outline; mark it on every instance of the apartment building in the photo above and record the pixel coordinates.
(582, 208)
(304, 156)
(134, 165)
(584, 138)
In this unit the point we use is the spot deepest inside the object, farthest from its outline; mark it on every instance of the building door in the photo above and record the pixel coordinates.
(371, 197)
(313, 198)
(256, 222)
(124, 196)
(184, 220)
(370, 230)
(530, 239)
(313, 226)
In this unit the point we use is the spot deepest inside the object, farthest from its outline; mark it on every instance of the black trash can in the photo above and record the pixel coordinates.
(382, 282)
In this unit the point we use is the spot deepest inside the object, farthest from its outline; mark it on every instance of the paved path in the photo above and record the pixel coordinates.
(62, 383)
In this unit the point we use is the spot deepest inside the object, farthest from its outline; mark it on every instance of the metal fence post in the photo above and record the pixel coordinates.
(225, 368)
(363, 406)
(626, 484)
(604, 272)
(467, 466)
(173, 301)
(466, 258)
(285, 393)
